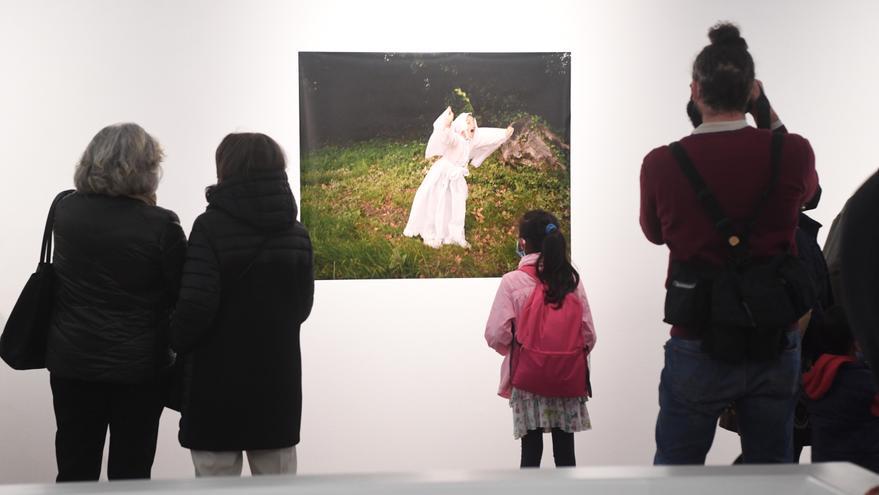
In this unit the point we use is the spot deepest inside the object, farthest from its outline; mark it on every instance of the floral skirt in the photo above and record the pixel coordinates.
(532, 411)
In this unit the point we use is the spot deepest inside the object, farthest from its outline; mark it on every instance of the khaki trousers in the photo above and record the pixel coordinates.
(229, 463)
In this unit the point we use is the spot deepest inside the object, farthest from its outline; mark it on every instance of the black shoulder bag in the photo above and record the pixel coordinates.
(745, 307)
(23, 342)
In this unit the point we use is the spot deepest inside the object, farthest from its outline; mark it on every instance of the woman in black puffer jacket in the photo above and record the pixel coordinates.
(118, 259)
(248, 284)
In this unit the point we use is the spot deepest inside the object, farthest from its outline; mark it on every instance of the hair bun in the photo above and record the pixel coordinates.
(726, 34)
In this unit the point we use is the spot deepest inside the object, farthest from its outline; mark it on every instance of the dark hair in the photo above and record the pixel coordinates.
(553, 267)
(724, 70)
(835, 335)
(243, 154)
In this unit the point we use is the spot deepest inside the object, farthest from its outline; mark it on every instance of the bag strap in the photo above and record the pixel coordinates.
(531, 270)
(512, 345)
(46, 247)
(775, 164)
(259, 249)
(737, 242)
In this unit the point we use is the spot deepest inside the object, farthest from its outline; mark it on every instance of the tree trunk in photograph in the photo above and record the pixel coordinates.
(532, 145)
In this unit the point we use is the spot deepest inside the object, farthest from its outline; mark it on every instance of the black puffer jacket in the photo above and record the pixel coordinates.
(809, 252)
(118, 262)
(859, 263)
(248, 284)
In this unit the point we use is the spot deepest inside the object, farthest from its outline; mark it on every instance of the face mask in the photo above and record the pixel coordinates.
(519, 250)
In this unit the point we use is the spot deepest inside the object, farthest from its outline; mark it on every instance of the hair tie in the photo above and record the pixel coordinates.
(550, 227)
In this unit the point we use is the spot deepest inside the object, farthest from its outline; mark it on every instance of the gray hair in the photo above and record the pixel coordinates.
(121, 160)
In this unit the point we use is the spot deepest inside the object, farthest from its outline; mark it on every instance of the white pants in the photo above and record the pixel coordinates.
(229, 463)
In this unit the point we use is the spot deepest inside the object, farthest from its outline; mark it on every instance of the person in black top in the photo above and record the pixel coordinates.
(248, 284)
(841, 397)
(859, 268)
(118, 259)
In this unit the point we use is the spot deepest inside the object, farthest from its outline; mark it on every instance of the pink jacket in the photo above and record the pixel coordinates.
(515, 288)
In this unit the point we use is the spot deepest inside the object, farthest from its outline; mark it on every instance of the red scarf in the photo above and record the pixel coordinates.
(818, 380)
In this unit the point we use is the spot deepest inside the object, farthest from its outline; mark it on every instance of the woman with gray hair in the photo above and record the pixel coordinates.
(118, 259)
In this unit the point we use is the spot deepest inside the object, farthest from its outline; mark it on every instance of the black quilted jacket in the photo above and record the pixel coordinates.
(118, 263)
(247, 285)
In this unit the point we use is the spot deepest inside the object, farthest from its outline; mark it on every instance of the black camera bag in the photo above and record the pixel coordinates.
(744, 308)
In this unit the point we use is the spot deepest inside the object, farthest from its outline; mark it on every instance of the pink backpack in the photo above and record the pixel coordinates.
(549, 355)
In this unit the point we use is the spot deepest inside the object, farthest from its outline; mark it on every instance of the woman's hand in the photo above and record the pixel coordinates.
(510, 131)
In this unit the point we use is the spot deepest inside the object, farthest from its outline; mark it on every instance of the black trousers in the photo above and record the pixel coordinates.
(562, 448)
(83, 412)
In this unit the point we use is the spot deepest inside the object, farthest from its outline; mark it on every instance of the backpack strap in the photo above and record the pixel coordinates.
(736, 241)
(775, 164)
(530, 270)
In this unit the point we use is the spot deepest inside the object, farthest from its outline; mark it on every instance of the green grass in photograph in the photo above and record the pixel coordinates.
(356, 200)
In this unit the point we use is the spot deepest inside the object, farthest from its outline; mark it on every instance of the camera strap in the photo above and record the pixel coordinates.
(736, 241)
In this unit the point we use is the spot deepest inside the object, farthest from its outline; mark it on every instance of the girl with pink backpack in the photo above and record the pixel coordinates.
(541, 323)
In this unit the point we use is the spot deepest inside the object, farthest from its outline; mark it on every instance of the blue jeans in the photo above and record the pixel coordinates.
(694, 389)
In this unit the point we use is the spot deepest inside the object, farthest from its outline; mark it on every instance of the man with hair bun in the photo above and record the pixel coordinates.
(734, 162)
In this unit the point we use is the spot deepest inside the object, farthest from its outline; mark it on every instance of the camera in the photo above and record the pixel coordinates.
(760, 108)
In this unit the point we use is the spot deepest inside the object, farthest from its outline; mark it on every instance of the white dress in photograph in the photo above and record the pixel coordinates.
(437, 213)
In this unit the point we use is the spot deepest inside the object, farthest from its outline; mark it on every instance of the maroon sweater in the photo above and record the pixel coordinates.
(735, 166)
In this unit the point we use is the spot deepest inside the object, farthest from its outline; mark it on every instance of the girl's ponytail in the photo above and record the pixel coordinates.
(541, 230)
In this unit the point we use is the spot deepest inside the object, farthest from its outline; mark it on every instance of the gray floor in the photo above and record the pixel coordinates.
(835, 478)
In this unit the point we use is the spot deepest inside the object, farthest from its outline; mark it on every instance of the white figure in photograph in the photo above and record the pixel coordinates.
(437, 213)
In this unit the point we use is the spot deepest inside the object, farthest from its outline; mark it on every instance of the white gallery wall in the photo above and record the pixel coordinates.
(397, 376)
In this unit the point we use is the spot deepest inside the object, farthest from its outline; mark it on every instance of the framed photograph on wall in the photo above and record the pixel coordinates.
(419, 165)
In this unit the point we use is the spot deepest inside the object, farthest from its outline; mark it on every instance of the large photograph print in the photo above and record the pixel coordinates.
(418, 165)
